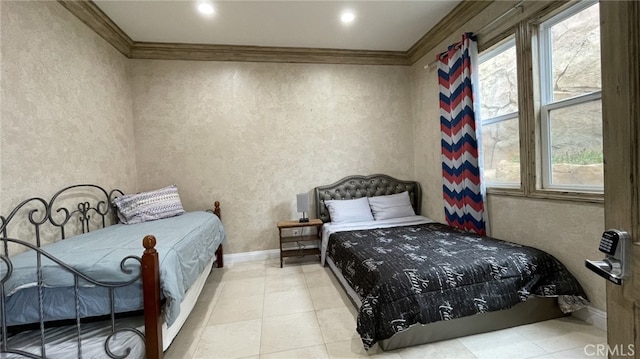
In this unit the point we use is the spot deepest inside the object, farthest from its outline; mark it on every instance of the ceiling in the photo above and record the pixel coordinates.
(393, 25)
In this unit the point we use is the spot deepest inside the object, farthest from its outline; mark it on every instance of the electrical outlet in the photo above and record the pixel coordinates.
(296, 231)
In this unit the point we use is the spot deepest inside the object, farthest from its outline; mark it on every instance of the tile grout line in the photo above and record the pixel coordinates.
(202, 329)
(536, 345)
(197, 344)
(315, 313)
(264, 298)
(307, 290)
(260, 319)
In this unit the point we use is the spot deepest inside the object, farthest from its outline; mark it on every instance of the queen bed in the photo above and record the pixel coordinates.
(98, 273)
(415, 281)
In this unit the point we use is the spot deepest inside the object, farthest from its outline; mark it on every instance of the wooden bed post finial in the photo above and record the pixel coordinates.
(216, 209)
(149, 243)
(151, 294)
(219, 255)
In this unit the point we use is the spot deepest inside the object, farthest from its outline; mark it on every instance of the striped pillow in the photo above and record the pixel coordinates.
(149, 206)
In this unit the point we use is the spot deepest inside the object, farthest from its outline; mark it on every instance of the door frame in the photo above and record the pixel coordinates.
(620, 57)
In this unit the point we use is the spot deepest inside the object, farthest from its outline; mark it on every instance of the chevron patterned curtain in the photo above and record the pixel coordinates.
(462, 188)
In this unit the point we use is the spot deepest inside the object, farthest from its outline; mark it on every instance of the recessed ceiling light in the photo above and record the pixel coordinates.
(205, 8)
(347, 17)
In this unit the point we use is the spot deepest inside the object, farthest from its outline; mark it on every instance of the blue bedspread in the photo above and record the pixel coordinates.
(186, 244)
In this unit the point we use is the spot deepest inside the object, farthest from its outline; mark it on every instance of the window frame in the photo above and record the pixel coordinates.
(486, 55)
(547, 104)
(525, 28)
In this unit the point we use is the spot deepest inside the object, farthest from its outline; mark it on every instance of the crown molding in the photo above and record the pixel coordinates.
(205, 52)
(89, 13)
(451, 23)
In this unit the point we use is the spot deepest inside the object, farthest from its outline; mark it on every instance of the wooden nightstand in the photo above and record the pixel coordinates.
(316, 223)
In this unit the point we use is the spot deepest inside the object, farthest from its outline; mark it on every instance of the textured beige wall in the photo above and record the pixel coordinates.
(252, 135)
(427, 156)
(66, 110)
(569, 231)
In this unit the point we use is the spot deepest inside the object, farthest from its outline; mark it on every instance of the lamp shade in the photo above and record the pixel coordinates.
(303, 202)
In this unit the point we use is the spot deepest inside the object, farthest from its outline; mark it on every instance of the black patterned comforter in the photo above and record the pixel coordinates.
(431, 272)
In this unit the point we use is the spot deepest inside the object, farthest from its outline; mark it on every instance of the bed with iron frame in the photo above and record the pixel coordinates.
(82, 208)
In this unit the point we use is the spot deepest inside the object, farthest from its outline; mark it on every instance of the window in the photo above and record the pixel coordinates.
(498, 91)
(571, 111)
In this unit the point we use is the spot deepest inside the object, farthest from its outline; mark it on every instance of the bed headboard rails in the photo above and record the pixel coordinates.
(358, 186)
(89, 204)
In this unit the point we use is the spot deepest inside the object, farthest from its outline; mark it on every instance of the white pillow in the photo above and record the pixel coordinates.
(349, 210)
(391, 206)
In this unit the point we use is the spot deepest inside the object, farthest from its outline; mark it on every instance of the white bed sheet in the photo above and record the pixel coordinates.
(186, 306)
(329, 228)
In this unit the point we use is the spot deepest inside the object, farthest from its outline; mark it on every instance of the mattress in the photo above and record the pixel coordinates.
(430, 272)
(186, 245)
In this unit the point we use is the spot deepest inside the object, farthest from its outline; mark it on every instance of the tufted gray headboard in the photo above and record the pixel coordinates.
(365, 186)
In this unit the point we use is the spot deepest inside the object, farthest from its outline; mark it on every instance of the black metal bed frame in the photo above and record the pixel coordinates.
(42, 212)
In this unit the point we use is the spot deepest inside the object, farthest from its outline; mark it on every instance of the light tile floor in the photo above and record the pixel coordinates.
(258, 310)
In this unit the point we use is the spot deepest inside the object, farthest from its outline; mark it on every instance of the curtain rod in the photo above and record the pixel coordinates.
(516, 6)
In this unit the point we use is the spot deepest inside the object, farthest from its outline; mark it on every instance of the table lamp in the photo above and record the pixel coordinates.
(303, 206)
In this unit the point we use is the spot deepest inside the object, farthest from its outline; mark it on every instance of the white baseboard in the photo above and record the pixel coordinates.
(593, 316)
(252, 256)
